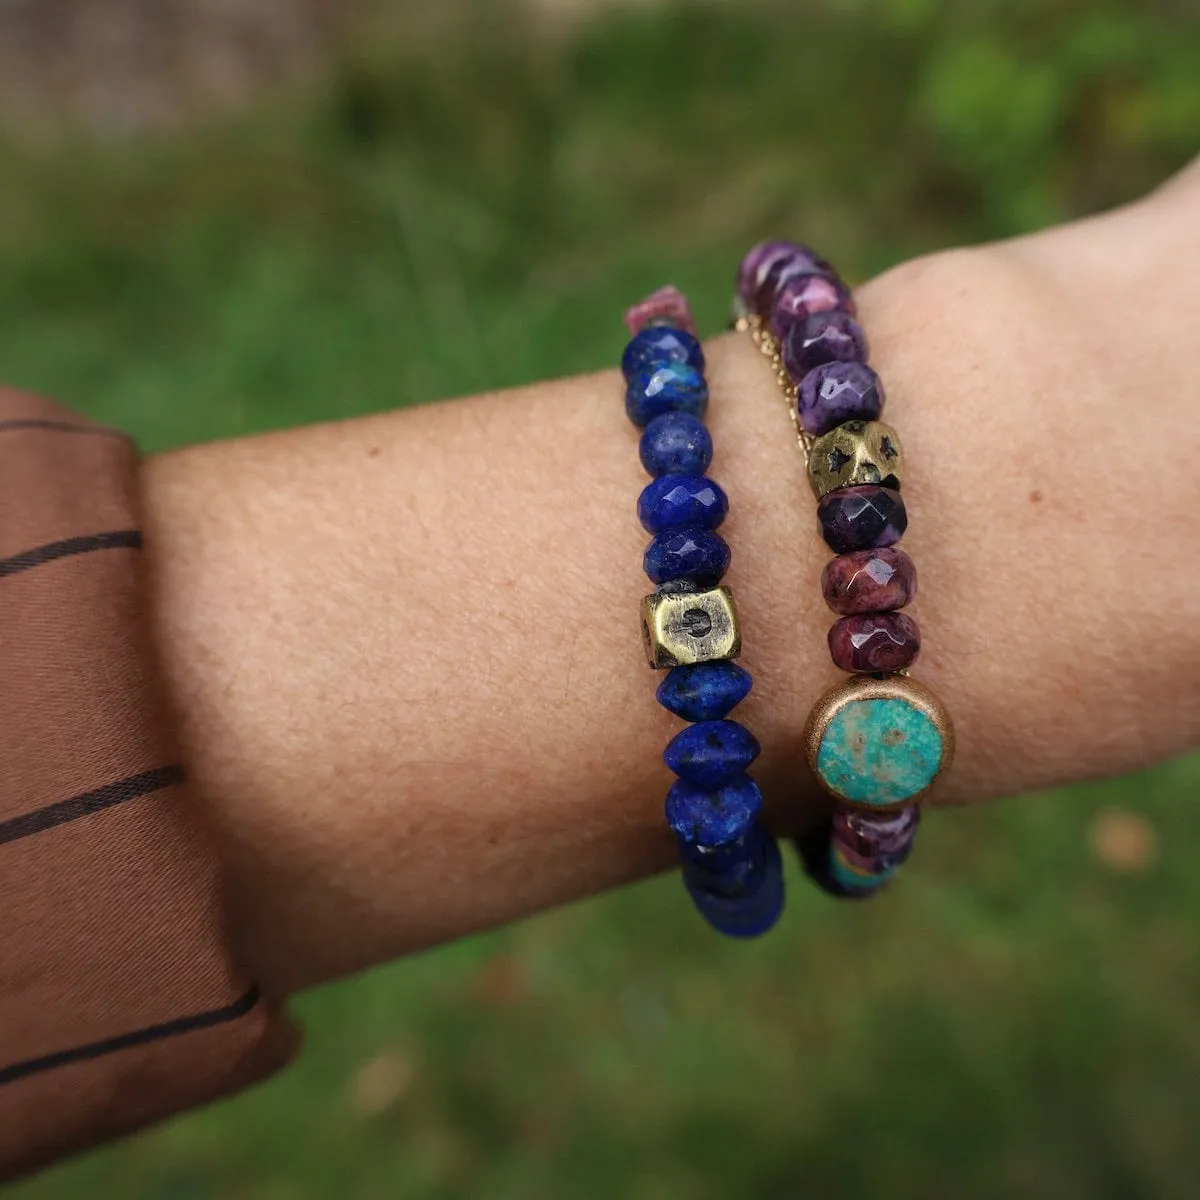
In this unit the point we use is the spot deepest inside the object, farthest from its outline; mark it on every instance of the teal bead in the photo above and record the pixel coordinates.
(879, 752)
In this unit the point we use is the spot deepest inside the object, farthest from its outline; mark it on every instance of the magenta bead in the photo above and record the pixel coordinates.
(837, 392)
(804, 295)
(875, 643)
(768, 267)
(869, 581)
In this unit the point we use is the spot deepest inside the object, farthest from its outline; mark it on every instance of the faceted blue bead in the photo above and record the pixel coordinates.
(673, 500)
(691, 552)
(744, 900)
(704, 691)
(658, 344)
(669, 387)
(676, 444)
(712, 817)
(711, 754)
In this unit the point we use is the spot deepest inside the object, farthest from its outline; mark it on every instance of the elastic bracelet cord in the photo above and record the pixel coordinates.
(877, 741)
(731, 866)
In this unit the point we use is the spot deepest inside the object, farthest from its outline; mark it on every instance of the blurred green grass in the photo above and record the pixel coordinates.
(1019, 1018)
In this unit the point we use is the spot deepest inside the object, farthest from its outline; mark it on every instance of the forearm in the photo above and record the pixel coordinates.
(404, 650)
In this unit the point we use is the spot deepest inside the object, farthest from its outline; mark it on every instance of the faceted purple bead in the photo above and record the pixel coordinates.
(869, 581)
(832, 336)
(837, 392)
(861, 518)
(768, 266)
(875, 843)
(875, 643)
(804, 295)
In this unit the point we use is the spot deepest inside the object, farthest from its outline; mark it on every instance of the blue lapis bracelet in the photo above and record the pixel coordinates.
(731, 865)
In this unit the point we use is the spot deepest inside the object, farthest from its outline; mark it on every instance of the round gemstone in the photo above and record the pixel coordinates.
(875, 643)
(836, 392)
(861, 518)
(691, 553)
(676, 443)
(803, 296)
(704, 691)
(869, 581)
(668, 387)
(711, 754)
(879, 751)
(673, 500)
(713, 816)
(659, 344)
(832, 336)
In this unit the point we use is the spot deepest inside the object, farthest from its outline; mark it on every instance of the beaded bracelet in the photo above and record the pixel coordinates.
(731, 866)
(877, 741)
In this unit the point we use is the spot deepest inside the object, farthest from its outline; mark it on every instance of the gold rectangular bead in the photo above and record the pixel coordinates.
(680, 628)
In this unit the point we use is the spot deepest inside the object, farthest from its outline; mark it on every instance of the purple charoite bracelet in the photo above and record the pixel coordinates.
(877, 741)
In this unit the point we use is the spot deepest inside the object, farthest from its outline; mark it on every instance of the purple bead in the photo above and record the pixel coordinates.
(861, 518)
(832, 336)
(804, 295)
(869, 581)
(875, 643)
(875, 842)
(768, 266)
(837, 392)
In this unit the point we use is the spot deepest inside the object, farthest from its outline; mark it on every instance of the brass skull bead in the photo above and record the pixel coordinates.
(855, 453)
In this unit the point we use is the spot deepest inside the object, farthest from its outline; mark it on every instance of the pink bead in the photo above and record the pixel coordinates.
(668, 305)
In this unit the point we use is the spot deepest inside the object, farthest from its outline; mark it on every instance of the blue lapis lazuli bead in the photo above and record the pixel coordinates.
(711, 754)
(658, 344)
(713, 816)
(691, 553)
(668, 387)
(704, 691)
(746, 901)
(676, 444)
(673, 500)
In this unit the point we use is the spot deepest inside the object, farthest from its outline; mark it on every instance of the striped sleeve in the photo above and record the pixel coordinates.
(119, 999)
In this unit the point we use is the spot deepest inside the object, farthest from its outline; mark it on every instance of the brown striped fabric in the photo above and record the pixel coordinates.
(119, 1003)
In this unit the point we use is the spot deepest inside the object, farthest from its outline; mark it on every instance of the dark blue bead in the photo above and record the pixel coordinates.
(658, 344)
(711, 753)
(673, 500)
(676, 444)
(692, 553)
(712, 817)
(745, 900)
(669, 387)
(704, 691)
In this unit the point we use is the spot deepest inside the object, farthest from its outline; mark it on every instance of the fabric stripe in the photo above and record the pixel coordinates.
(117, 539)
(87, 803)
(60, 427)
(139, 1037)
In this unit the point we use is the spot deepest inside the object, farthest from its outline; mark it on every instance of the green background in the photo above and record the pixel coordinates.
(472, 208)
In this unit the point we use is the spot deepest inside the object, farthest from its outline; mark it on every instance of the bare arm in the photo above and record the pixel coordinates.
(404, 649)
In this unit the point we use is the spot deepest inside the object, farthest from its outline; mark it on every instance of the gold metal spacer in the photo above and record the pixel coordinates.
(681, 628)
(856, 452)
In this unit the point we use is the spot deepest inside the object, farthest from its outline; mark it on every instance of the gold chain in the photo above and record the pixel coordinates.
(768, 346)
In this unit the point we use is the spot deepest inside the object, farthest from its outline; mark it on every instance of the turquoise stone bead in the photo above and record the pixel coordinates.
(879, 752)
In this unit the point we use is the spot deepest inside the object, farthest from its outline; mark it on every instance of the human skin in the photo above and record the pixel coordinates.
(404, 650)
